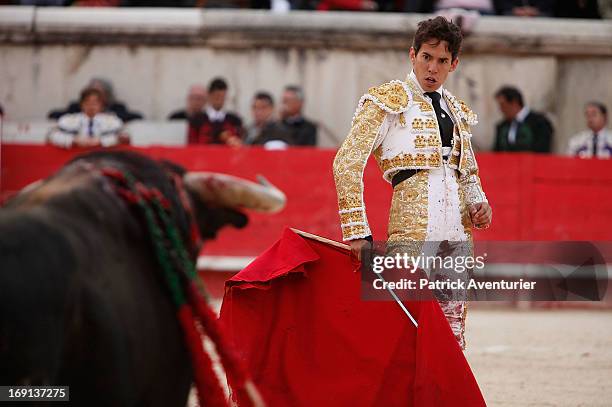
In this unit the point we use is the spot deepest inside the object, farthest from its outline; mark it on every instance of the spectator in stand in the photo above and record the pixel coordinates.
(526, 8)
(110, 104)
(521, 129)
(265, 130)
(298, 129)
(597, 141)
(577, 9)
(216, 125)
(91, 127)
(196, 101)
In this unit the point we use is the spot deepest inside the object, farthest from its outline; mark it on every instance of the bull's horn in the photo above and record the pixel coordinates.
(31, 186)
(226, 190)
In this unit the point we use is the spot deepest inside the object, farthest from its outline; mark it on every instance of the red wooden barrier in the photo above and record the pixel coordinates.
(534, 197)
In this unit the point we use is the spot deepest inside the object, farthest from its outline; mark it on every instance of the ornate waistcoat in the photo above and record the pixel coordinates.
(398, 125)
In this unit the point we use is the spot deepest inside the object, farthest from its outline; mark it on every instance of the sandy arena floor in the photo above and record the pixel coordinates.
(542, 358)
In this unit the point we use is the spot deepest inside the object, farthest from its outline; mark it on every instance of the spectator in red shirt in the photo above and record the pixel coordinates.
(216, 125)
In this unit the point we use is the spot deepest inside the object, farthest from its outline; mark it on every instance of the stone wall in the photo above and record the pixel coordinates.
(153, 55)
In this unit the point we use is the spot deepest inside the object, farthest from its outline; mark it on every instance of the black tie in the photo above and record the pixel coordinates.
(90, 132)
(594, 144)
(444, 122)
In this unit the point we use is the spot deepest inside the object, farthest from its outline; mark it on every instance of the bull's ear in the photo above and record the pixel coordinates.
(222, 190)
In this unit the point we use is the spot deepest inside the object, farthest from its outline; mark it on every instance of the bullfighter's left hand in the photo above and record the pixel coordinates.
(481, 215)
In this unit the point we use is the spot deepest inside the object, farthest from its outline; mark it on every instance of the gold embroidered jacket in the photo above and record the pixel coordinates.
(396, 123)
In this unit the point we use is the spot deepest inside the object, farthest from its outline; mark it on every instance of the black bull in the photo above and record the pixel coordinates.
(82, 302)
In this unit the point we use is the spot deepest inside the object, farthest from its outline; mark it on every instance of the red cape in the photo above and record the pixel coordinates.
(298, 323)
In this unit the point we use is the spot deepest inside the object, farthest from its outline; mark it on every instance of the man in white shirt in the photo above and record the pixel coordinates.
(91, 127)
(597, 141)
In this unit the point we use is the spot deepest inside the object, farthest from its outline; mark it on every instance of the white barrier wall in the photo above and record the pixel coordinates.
(152, 56)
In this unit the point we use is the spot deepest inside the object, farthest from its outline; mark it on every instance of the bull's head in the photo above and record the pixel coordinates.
(218, 199)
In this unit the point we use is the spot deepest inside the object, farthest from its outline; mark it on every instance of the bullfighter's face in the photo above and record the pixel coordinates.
(432, 64)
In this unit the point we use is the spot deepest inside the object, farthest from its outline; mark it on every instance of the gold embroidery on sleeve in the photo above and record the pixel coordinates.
(349, 164)
(469, 179)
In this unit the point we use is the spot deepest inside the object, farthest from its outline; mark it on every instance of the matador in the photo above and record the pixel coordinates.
(419, 134)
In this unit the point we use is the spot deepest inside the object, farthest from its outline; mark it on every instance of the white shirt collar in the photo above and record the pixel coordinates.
(522, 115)
(412, 76)
(601, 132)
(215, 115)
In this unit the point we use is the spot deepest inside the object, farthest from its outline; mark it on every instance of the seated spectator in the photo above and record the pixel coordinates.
(577, 9)
(300, 130)
(597, 141)
(264, 130)
(89, 128)
(216, 125)
(521, 129)
(526, 8)
(109, 102)
(196, 101)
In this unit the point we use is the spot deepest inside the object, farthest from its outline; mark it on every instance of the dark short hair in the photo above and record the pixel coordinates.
(217, 84)
(264, 96)
(439, 29)
(602, 108)
(87, 92)
(296, 90)
(511, 94)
